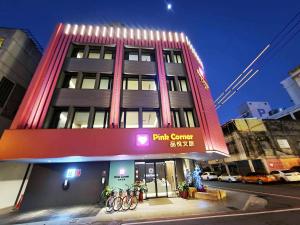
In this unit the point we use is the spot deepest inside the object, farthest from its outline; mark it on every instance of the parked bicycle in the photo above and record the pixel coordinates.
(130, 200)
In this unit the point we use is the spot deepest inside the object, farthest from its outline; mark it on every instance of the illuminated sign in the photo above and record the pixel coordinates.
(202, 79)
(72, 172)
(142, 140)
(176, 140)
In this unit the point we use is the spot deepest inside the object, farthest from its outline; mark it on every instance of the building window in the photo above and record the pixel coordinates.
(62, 119)
(189, 118)
(101, 119)
(171, 84)
(131, 54)
(130, 83)
(6, 87)
(1, 42)
(59, 118)
(129, 119)
(182, 84)
(150, 119)
(109, 53)
(149, 84)
(81, 118)
(94, 52)
(105, 82)
(70, 80)
(167, 56)
(177, 57)
(175, 118)
(78, 51)
(88, 81)
(148, 55)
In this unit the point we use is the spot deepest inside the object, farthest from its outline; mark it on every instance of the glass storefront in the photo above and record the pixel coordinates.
(159, 177)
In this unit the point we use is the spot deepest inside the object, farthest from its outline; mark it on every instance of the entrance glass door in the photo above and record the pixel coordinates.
(159, 177)
(150, 180)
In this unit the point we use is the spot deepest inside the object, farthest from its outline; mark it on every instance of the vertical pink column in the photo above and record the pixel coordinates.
(116, 92)
(164, 95)
(34, 89)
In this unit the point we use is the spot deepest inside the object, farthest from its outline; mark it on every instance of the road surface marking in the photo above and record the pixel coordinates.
(215, 216)
(256, 192)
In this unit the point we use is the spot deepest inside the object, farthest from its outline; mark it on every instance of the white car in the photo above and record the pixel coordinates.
(286, 175)
(209, 176)
(229, 178)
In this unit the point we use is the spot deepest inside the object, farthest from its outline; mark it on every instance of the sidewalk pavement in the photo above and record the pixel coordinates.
(162, 208)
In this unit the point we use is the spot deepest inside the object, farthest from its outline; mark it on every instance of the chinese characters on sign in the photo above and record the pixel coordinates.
(174, 144)
(176, 140)
(202, 79)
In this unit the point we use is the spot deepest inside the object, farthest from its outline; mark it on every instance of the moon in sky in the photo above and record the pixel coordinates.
(169, 6)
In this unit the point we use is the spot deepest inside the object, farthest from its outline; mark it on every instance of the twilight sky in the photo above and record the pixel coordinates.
(226, 34)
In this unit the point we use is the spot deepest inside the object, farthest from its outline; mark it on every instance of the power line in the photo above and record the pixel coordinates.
(271, 47)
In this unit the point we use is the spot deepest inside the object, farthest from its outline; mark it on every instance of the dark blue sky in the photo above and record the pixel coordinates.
(226, 34)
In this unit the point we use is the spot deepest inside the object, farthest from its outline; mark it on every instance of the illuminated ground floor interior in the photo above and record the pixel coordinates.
(62, 184)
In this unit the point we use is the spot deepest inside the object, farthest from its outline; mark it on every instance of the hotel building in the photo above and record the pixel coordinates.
(112, 105)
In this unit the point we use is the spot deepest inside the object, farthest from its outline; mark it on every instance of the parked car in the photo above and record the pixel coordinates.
(229, 178)
(286, 175)
(259, 178)
(296, 168)
(209, 176)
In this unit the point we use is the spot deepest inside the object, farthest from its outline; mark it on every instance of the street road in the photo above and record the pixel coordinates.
(283, 207)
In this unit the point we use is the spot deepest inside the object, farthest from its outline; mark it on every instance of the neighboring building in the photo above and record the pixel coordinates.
(259, 145)
(259, 110)
(292, 85)
(19, 56)
(144, 98)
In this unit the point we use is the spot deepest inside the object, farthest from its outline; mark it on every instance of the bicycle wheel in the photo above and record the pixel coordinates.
(109, 204)
(126, 202)
(117, 204)
(133, 202)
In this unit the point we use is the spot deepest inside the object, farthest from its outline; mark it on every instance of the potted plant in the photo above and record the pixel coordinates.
(140, 189)
(183, 189)
(105, 194)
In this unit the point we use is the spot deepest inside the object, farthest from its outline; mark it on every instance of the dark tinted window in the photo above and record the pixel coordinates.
(6, 87)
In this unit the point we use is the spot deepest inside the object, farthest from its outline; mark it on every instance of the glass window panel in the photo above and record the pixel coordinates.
(80, 120)
(175, 119)
(104, 83)
(183, 85)
(79, 54)
(1, 42)
(132, 84)
(62, 119)
(132, 119)
(94, 54)
(72, 82)
(88, 83)
(108, 55)
(133, 56)
(99, 120)
(122, 123)
(178, 58)
(189, 119)
(171, 84)
(124, 83)
(146, 58)
(150, 119)
(149, 84)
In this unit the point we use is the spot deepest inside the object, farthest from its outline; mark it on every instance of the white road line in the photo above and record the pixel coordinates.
(256, 192)
(216, 216)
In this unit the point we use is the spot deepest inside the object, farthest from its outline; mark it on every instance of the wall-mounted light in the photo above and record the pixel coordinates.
(122, 172)
(82, 30)
(75, 29)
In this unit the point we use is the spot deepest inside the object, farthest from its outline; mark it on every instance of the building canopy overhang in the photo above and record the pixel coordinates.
(73, 145)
